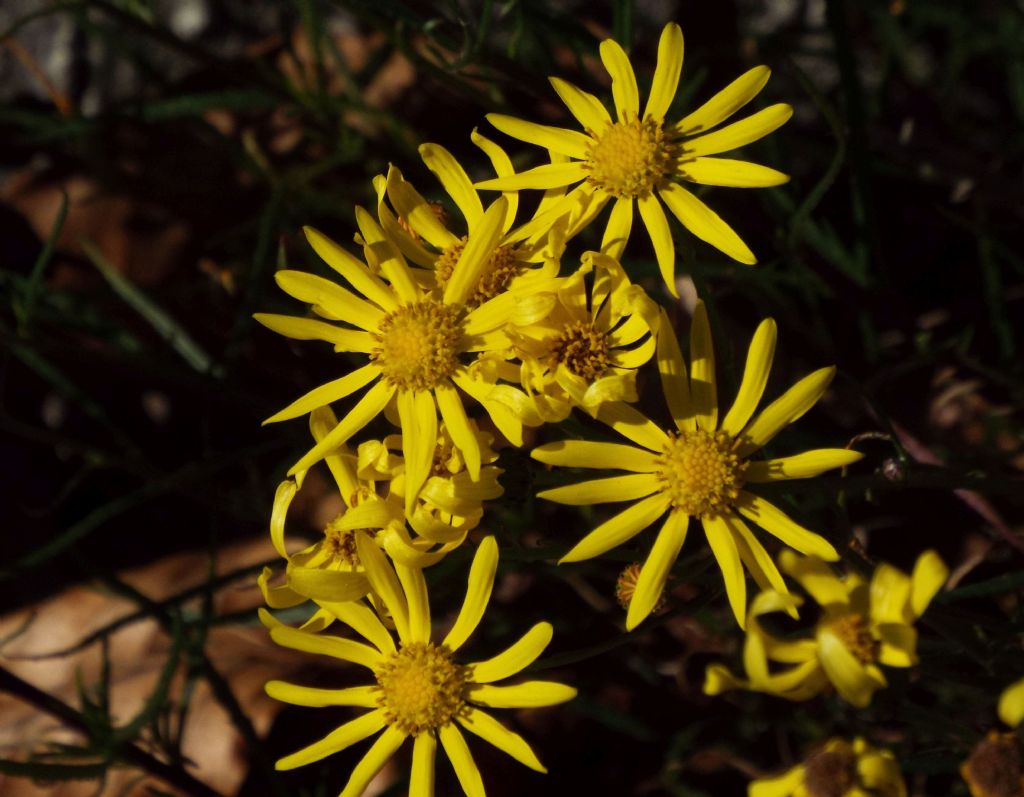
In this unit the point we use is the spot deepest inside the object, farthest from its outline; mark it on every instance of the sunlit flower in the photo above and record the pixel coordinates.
(699, 469)
(642, 161)
(861, 627)
(1011, 704)
(420, 690)
(838, 769)
(994, 767)
(580, 347)
(417, 344)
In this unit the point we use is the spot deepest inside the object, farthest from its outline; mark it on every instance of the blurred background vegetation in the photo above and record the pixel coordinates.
(159, 159)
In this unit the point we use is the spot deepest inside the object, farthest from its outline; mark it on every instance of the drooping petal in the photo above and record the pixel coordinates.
(737, 134)
(365, 696)
(558, 139)
(620, 222)
(587, 454)
(654, 573)
(490, 730)
(624, 89)
(348, 266)
(661, 238)
(286, 491)
(666, 73)
(385, 582)
(337, 740)
(726, 102)
(703, 222)
(786, 409)
(455, 182)
(731, 173)
(600, 491)
(478, 594)
(465, 767)
(515, 658)
(324, 645)
(529, 694)
(328, 585)
(801, 466)
(755, 377)
(325, 394)
(618, 529)
(775, 521)
(588, 109)
(424, 752)
(723, 546)
(373, 762)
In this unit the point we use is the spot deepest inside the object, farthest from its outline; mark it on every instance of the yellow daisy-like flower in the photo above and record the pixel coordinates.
(838, 769)
(994, 767)
(640, 161)
(862, 626)
(580, 351)
(700, 469)
(416, 341)
(419, 688)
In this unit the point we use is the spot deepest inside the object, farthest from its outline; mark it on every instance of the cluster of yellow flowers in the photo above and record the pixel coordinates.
(446, 315)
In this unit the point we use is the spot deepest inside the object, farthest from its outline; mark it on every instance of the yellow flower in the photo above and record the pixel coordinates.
(993, 768)
(1011, 704)
(419, 688)
(641, 160)
(700, 469)
(861, 626)
(416, 341)
(330, 570)
(838, 769)
(580, 351)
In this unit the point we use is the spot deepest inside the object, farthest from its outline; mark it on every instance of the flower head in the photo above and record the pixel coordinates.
(419, 687)
(699, 469)
(640, 162)
(861, 626)
(838, 769)
(994, 767)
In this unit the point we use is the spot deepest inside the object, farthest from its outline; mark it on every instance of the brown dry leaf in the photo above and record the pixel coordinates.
(244, 655)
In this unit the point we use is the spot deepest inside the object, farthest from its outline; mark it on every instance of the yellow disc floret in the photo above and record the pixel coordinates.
(700, 472)
(420, 687)
(495, 277)
(629, 159)
(581, 349)
(853, 632)
(417, 345)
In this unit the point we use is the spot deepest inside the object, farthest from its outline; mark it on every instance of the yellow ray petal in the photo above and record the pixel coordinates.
(666, 73)
(325, 394)
(282, 500)
(490, 730)
(755, 377)
(337, 740)
(801, 466)
(341, 463)
(349, 267)
(478, 594)
(661, 238)
(417, 212)
(723, 546)
(897, 645)
(455, 182)
(703, 387)
(890, 595)
(588, 109)
(323, 645)
(817, 578)
(1011, 704)
(656, 568)
(383, 254)
(385, 583)
(674, 381)
(558, 139)
(502, 168)
(731, 173)
(281, 597)
(726, 102)
(632, 425)
(703, 222)
(476, 254)
(415, 588)
(465, 767)
(775, 521)
(454, 416)
(601, 491)
(624, 89)
(529, 694)
(515, 658)
(756, 559)
(586, 454)
(418, 415)
(737, 134)
(851, 679)
(327, 585)
(930, 574)
(619, 528)
(373, 762)
(784, 785)
(421, 779)
(786, 409)
(550, 175)
(364, 621)
(620, 222)
(311, 329)
(331, 297)
(365, 696)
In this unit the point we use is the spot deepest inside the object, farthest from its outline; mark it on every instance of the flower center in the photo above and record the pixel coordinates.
(856, 637)
(494, 278)
(420, 687)
(994, 767)
(629, 158)
(581, 349)
(418, 345)
(700, 472)
(831, 773)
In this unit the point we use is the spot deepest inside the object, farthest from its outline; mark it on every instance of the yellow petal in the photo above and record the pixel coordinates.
(455, 419)
(618, 529)
(801, 466)
(784, 410)
(365, 696)
(586, 454)
(418, 414)
(502, 168)
(620, 222)
(340, 462)
(1011, 704)
(755, 377)
(674, 380)
(703, 389)
(737, 134)
(336, 301)
(328, 585)
(654, 573)
(455, 181)
(424, 752)
(355, 272)
(550, 175)
(490, 730)
(385, 583)
(417, 212)
(465, 767)
(514, 658)
(632, 425)
(364, 621)
(567, 142)
(890, 595)
(755, 558)
(337, 740)
(600, 491)
(726, 102)
(718, 679)
(847, 674)
(723, 546)
(784, 785)
(624, 90)
(817, 578)
(588, 109)
(478, 594)
(476, 254)
(415, 588)
(324, 645)
(897, 645)
(703, 222)
(325, 394)
(775, 521)
(929, 576)
(529, 694)
(311, 329)
(282, 597)
(661, 238)
(282, 500)
(666, 73)
(376, 757)
(731, 173)
(383, 254)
